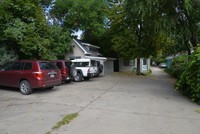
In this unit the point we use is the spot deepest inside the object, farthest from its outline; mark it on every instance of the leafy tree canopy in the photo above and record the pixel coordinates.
(85, 15)
(25, 30)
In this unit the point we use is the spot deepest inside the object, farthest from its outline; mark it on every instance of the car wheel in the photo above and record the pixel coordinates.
(50, 87)
(78, 77)
(67, 81)
(73, 71)
(86, 78)
(25, 87)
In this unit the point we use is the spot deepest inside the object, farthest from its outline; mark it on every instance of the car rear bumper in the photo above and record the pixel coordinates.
(66, 78)
(44, 84)
(92, 74)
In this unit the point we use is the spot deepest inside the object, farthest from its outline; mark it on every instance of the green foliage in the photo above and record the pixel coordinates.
(159, 59)
(135, 34)
(90, 16)
(6, 56)
(66, 120)
(189, 82)
(59, 41)
(179, 65)
(26, 31)
(197, 110)
(86, 15)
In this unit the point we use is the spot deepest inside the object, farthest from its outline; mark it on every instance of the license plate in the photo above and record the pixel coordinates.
(52, 76)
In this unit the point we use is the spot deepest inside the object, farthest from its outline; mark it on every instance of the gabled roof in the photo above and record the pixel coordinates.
(82, 46)
(79, 43)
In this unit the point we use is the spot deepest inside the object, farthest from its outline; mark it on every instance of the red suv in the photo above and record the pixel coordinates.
(67, 70)
(29, 74)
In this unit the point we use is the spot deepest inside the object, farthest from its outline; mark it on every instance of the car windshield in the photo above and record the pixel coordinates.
(47, 66)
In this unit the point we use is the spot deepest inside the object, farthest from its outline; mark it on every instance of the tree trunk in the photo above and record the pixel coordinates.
(188, 47)
(138, 66)
(193, 41)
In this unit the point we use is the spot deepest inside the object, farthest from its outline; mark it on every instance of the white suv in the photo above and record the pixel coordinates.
(86, 68)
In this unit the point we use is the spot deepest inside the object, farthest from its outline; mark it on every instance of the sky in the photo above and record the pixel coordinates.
(78, 33)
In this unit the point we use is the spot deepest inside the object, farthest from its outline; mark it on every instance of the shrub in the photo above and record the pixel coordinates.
(178, 66)
(189, 81)
(6, 56)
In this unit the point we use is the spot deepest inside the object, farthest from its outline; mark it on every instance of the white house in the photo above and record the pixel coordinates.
(131, 65)
(86, 50)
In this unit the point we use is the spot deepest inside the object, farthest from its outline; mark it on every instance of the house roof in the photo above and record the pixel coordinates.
(79, 43)
(84, 47)
(100, 58)
(90, 45)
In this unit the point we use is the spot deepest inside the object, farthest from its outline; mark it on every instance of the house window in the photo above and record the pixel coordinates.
(132, 62)
(129, 62)
(144, 61)
(126, 62)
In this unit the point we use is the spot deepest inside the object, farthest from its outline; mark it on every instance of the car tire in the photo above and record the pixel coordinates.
(25, 87)
(86, 78)
(73, 71)
(78, 77)
(50, 87)
(67, 81)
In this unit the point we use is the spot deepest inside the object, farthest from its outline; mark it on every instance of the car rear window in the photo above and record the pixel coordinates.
(47, 66)
(93, 63)
(68, 64)
(59, 65)
(81, 64)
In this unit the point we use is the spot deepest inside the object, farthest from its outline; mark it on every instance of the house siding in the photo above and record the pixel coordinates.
(108, 67)
(123, 68)
(84, 50)
(133, 65)
(76, 52)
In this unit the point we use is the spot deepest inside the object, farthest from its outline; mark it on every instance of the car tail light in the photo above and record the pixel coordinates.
(38, 75)
(63, 72)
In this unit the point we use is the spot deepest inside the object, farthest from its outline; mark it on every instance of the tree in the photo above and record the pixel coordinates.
(25, 30)
(181, 19)
(135, 34)
(6, 56)
(185, 25)
(85, 15)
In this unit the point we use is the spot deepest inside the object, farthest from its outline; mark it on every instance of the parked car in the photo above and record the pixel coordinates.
(154, 64)
(86, 68)
(68, 72)
(99, 67)
(162, 65)
(29, 74)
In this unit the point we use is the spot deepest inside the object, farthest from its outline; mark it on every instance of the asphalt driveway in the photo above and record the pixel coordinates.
(114, 104)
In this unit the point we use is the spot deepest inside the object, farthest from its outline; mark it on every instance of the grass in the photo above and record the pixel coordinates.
(66, 120)
(197, 110)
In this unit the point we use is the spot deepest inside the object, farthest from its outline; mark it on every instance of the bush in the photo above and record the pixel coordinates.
(189, 81)
(178, 66)
(6, 56)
